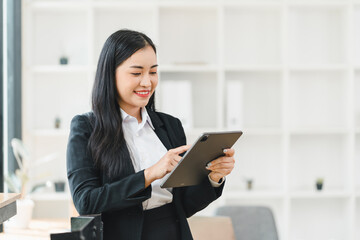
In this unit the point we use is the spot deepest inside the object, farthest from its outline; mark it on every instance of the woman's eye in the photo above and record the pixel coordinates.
(136, 74)
(153, 73)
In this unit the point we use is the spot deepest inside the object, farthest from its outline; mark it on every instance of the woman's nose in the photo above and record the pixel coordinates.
(146, 81)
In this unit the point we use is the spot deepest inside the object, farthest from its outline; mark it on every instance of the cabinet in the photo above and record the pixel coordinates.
(295, 66)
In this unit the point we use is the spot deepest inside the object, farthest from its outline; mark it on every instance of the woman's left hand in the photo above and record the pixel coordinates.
(222, 166)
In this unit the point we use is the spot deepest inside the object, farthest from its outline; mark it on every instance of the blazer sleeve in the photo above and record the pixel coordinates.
(195, 198)
(90, 196)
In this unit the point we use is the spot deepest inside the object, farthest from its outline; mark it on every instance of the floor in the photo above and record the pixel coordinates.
(39, 229)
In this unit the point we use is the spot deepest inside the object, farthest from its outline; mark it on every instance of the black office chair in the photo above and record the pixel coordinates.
(251, 222)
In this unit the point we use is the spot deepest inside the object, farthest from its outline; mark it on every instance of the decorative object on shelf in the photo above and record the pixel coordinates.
(319, 183)
(249, 184)
(59, 186)
(57, 122)
(64, 60)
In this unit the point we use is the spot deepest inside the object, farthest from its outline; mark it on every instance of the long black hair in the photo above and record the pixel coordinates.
(107, 144)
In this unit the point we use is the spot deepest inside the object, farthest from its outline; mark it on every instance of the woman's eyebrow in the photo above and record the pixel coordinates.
(141, 67)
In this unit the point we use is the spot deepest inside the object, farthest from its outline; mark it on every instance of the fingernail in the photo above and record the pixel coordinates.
(208, 165)
(225, 150)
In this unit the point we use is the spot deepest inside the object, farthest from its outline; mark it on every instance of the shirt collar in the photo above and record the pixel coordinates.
(144, 116)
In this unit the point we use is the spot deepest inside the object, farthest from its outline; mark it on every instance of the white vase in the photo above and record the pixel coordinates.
(23, 214)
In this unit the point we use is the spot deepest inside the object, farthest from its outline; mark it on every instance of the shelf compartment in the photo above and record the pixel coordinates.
(195, 31)
(261, 99)
(317, 35)
(203, 92)
(356, 13)
(311, 219)
(256, 40)
(108, 20)
(49, 102)
(268, 177)
(68, 39)
(318, 156)
(317, 100)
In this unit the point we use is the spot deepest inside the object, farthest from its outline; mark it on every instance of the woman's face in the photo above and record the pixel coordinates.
(136, 80)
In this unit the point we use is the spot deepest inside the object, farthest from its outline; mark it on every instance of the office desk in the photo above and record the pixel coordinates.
(8, 205)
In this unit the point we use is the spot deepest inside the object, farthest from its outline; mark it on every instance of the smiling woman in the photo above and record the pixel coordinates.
(118, 153)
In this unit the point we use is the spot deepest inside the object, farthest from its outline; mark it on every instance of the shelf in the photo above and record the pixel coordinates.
(188, 68)
(319, 194)
(252, 194)
(318, 67)
(51, 196)
(59, 69)
(319, 219)
(200, 45)
(253, 68)
(317, 99)
(257, 38)
(259, 101)
(68, 39)
(51, 132)
(309, 31)
(108, 20)
(318, 131)
(311, 157)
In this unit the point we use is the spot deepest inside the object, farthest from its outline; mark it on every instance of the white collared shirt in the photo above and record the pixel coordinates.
(145, 150)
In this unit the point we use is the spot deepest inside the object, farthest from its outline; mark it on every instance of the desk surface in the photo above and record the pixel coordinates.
(39, 229)
(7, 198)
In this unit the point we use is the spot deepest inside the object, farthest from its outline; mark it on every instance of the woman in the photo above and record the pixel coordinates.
(118, 153)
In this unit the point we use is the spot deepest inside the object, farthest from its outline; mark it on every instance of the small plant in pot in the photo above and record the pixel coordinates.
(319, 184)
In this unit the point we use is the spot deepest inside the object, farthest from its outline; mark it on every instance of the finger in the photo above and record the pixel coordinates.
(229, 152)
(221, 160)
(180, 149)
(221, 166)
(177, 158)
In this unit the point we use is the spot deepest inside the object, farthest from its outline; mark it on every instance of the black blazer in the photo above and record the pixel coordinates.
(120, 200)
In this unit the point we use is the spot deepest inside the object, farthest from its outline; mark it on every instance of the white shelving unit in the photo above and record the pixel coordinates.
(296, 63)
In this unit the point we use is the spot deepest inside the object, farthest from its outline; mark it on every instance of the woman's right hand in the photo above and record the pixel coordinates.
(165, 165)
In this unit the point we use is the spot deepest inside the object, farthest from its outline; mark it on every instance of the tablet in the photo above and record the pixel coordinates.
(191, 169)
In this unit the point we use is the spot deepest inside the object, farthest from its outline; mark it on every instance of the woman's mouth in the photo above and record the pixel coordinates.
(142, 93)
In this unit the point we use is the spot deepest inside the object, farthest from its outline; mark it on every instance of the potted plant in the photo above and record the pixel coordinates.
(319, 183)
(19, 182)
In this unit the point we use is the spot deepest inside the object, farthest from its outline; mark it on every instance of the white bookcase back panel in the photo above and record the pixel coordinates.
(261, 99)
(188, 36)
(60, 95)
(110, 20)
(276, 206)
(203, 92)
(262, 167)
(252, 35)
(318, 156)
(317, 100)
(317, 35)
(314, 219)
(60, 34)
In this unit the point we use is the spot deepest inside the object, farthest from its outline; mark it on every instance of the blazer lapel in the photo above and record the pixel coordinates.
(160, 130)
